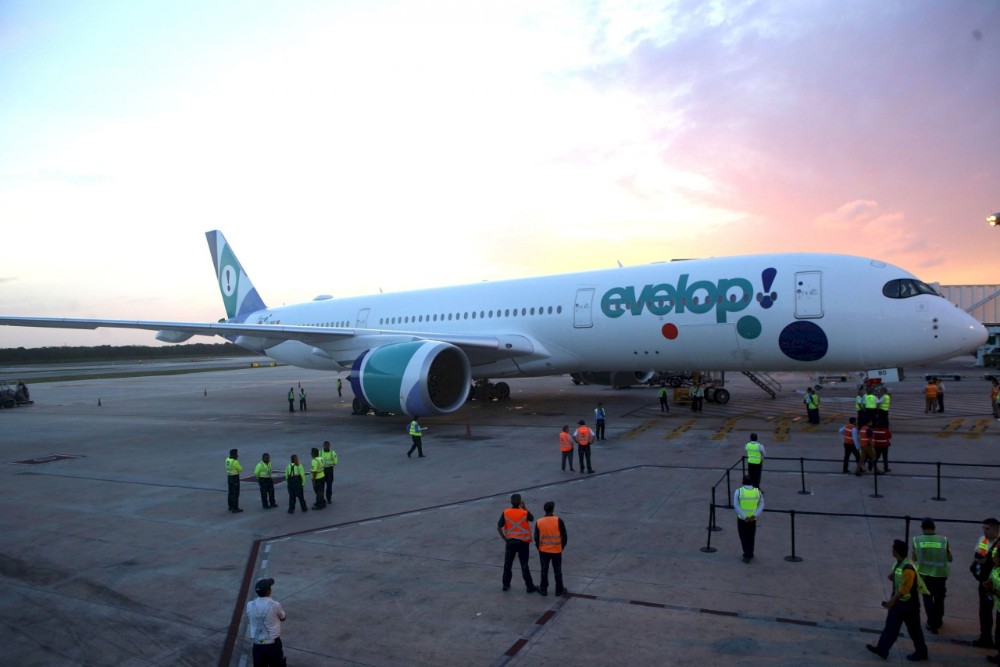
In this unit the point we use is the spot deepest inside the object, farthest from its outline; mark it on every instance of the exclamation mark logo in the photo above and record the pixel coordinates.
(767, 297)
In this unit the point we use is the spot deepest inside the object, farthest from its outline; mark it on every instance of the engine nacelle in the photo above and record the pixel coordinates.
(417, 378)
(616, 378)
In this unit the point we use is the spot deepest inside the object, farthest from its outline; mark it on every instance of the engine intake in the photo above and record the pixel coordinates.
(416, 378)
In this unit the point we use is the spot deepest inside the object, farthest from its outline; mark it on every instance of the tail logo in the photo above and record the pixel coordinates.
(227, 280)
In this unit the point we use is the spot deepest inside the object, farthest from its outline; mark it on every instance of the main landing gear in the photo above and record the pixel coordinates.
(484, 390)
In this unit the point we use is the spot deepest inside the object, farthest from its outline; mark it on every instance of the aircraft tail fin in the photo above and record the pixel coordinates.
(238, 293)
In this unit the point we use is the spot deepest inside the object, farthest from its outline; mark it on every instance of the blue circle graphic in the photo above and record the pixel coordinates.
(748, 327)
(803, 341)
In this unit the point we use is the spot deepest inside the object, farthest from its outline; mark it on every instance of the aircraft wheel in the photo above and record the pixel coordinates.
(721, 396)
(503, 391)
(710, 394)
(359, 407)
(675, 382)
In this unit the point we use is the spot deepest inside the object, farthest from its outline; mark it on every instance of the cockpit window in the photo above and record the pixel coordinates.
(904, 288)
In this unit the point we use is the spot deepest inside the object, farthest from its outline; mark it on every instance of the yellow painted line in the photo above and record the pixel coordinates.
(951, 427)
(727, 427)
(677, 432)
(977, 429)
(645, 426)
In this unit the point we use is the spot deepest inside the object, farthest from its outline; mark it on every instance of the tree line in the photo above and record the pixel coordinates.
(43, 355)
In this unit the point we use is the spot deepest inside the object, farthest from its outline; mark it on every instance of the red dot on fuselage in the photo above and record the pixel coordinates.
(669, 331)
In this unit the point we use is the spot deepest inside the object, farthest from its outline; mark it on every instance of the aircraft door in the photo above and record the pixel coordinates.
(363, 318)
(808, 294)
(582, 315)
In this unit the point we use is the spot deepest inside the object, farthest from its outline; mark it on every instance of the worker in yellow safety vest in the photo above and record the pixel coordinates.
(316, 468)
(417, 434)
(903, 607)
(755, 459)
(515, 530)
(329, 461)
(233, 470)
(551, 538)
(295, 480)
(263, 474)
(931, 554)
(748, 501)
(812, 405)
(984, 561)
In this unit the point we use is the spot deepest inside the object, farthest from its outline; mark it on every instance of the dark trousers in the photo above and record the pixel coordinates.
(556, 560)
(901, 613)
(295, 491)
(986, 614)
(748, 534)
(328, 483)
(567, 457)
(663, 404)
(302, 404)
(934, 603)
(940, 398)
(848, 451)
(813, 414)
(883, 454)
(520, 549)
(599, 429)
(318, 488)
(291, 405)
(753, 472)
(266, 485)
(268, 655)
(585, 452)
(233, 482)
(417, 445)
(696, 403)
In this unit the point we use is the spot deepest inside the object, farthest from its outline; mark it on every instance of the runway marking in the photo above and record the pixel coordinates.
(951, 427)
(727, 427)
(977, 429)
(641, 428)
(677, 432)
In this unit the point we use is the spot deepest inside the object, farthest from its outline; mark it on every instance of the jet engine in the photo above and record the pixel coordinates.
(417, 378)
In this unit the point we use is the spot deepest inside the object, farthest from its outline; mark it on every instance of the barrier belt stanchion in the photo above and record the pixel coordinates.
(907, 530)
(938, 496)
(802, 472)
(793, 558)
(711, 526)
(729, 488)
(875, 476)
(708, 548)
(743, 466)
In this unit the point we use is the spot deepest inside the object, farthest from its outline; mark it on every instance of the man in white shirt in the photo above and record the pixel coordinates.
(265, 617)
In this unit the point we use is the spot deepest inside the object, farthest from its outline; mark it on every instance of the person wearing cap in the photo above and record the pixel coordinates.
(263, 474)
(583, 436)
(931, 555)
(903, 608)
(329, 461)
(233, 470)
(265, 615)
(515, 531)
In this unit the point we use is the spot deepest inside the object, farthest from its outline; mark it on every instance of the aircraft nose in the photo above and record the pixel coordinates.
(966, 332)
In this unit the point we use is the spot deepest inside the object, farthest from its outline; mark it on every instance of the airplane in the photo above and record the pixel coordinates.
(417, 352)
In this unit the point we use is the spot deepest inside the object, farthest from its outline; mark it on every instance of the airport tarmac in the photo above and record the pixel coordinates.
(123, 553)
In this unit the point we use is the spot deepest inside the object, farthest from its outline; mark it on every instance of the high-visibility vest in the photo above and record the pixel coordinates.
(930, 391)
(880, 437)
(329, 458)
(995, 579)
(599, 414)
(415, 428)
(293, 470)
(884, 405)
(849, 434)
(663, 392)
(983, 548)
(897, 579)
(291, 394)
(317, 468)
(565, 442)
(302, 393)
(549, 537)
(584, 432)
(233, 466)
(515, 524)
(859, 403)
(262, 470)
(753, 452)
(749, 500)
(932, 555)
(812, 401)
(865, 436)
(871, 402)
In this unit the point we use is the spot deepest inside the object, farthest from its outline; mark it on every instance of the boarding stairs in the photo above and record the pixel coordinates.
(765, 382)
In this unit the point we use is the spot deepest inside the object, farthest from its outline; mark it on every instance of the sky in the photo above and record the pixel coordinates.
(350, 147)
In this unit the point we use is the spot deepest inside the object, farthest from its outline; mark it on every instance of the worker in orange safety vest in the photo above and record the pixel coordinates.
(515, 531)
(551, 538)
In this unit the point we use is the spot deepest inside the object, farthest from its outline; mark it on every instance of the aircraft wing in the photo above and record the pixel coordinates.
(176, 332)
